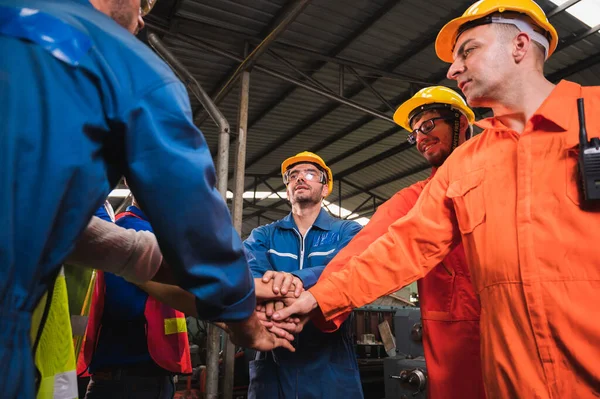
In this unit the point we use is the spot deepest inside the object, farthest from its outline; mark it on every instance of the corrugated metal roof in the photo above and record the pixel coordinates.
(392, 36)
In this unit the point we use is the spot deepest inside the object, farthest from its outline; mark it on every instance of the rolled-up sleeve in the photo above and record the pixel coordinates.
(412, 246)
(171, 173)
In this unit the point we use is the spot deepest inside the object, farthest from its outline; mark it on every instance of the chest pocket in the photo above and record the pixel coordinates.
(467, 196)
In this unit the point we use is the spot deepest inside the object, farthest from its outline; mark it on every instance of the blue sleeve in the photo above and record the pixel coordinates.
(102, 213)
(310, 275)
(171, 174)
(130, 222)
(257, 246)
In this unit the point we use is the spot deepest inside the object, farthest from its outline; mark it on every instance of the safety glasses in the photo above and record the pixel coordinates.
(425, 128)
(293, 175)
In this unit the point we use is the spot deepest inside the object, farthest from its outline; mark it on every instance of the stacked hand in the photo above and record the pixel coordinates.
(252, 333)
(276, 291)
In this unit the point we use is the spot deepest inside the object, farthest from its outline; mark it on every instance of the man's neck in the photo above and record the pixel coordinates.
(522, 101)
(305, 216)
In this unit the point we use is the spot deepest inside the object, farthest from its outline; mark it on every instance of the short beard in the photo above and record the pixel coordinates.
(120, 13)
(307, 200)
(439, 160)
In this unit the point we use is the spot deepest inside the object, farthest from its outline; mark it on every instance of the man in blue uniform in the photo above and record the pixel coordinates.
(82, 103)
(292, 253)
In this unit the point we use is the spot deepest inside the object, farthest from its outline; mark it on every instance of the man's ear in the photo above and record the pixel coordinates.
(521, 45)
(325, 190)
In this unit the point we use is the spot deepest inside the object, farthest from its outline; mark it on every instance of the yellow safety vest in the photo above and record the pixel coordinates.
(53, 344)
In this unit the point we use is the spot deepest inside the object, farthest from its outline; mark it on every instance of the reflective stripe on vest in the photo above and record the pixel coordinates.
(175, 325)
(54, 352)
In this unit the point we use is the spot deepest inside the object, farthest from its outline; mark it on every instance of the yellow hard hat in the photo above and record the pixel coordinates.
(309, 157)
(446, 39)
(432, 95)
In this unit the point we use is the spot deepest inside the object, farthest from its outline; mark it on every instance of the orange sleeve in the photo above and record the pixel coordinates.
(387, 213)
(410, 248)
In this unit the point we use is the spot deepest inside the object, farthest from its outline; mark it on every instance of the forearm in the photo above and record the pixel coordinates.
(134, 255)
(411, 247)
(173, 296)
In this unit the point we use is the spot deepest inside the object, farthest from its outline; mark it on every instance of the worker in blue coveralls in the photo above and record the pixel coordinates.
(292, 253)
(82, 103)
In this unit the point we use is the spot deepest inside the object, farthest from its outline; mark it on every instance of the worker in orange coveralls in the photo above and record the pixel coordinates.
(512, 194)
(439, 120)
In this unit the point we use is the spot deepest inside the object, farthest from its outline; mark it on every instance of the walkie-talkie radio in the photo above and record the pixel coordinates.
(589, 161)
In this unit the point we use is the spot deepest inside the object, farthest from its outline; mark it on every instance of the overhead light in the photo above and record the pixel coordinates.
(119, 193)
(587, 11)
(262, 195)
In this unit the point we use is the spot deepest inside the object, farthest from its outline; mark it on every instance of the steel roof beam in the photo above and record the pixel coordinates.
(561, 8)
(341, 100)
(375, 159)
(367, 85)
(391, 179)
(575, 68)
(290, 13)
(335, 51)
(413, 50)
(293, 51)
(577, 37)
(292, 67)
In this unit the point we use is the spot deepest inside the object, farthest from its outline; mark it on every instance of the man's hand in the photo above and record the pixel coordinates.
(283, 282)
(271, 306)
(281, 328)
(251, 333)
(293, 325)
(301, 306)
(264, 291)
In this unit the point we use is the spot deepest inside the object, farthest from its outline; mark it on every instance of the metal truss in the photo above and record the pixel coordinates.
(308, 82)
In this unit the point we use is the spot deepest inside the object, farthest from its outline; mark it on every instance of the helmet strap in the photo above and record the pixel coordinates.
(455, 130)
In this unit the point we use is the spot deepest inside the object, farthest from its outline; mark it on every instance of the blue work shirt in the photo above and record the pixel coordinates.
(82, 103)
(324, 365)
(122, 340)
(104, 214)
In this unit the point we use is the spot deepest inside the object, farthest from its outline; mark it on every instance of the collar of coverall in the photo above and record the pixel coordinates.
(551, 110)
(324, 221)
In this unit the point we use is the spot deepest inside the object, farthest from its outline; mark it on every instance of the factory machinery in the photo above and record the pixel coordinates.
(390, 352)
